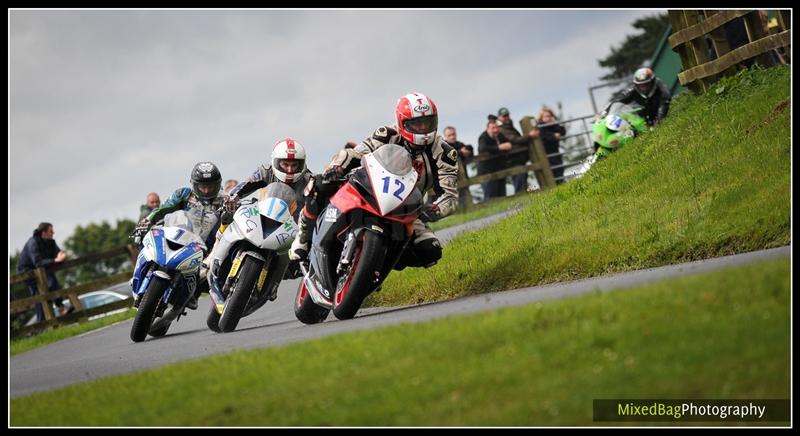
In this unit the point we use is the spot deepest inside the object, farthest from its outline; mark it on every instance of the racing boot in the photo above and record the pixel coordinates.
(299, 248)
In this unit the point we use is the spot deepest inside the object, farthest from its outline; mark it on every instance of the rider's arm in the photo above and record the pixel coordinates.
(665, 98)
(349, 158)
(445, 186)
(257, 180)
(176, 201)
(626, 97)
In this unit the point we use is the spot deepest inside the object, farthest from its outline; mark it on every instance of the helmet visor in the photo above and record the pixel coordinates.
(289, 166)
(645, 88)
(422, 125)
(206, 189)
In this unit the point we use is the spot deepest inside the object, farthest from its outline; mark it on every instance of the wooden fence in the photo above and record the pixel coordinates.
(540, 164)
(78, 314)
(694, 30)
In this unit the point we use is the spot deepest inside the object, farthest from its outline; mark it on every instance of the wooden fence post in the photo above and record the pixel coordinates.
(41, 285)
(463, 187)
(678, 21)
(538, 155)
(699, 46)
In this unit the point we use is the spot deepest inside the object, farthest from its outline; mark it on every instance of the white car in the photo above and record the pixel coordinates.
(90, 300)
(98, 298)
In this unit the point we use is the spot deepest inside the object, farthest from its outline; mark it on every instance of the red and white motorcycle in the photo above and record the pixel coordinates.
(360, 236)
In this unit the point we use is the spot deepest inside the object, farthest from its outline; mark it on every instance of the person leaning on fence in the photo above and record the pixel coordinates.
(465, 152)
(41, 250)
(153, 201)
(519, 148)
(551, 135)
(493, 143)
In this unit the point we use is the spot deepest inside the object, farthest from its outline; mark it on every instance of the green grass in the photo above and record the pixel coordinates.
(49, 336)
(713, 179)
(481, 210)
(721, 335)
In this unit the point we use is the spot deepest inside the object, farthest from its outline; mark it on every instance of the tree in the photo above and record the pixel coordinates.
(96, 238)
(636, 49)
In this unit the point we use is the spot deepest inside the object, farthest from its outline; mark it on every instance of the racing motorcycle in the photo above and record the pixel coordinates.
(359, 236)
(257, 243)
(612, 130)
(165, 275)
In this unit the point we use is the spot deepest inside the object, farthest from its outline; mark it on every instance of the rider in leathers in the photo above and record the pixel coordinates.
(434, 160)
(287, 165)
(202, 202)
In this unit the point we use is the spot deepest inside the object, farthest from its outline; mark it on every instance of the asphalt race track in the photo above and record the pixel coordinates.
(109, 351)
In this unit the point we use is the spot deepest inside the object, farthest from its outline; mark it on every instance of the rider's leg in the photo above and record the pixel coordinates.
(424, 250)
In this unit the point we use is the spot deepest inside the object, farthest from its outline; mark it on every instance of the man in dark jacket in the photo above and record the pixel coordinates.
(465, 152)
(41, 250)
(519, 148)
(493, 143)
(649, 92)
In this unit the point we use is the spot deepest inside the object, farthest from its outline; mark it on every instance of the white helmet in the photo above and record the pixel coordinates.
(288, 160)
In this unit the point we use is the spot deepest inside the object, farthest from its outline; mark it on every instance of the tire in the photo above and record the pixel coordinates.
(236, 303)
(212, 321)
(147, 308)
(305, 309)
(358, 281)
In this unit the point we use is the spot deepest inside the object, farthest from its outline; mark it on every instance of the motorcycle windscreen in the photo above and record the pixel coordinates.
(277, 205)
(618, 108)
(391, 174)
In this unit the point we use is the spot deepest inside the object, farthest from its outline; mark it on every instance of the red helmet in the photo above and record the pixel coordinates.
(417, 120)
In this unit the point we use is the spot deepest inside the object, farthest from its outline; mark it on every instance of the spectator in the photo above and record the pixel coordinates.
(465, 153)
(41, 250)
(493, 143)
(153, 201)
(551, 135)
(519, 151)
(230, 184)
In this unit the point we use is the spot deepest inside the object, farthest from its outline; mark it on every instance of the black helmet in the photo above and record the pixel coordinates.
(206, 180)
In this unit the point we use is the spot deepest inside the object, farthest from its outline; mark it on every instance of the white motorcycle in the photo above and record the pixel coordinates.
(250, 259)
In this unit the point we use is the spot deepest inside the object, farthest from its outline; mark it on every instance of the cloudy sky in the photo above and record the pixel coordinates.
(105, 106)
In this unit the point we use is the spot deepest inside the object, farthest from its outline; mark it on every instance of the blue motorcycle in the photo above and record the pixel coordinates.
(165, 275)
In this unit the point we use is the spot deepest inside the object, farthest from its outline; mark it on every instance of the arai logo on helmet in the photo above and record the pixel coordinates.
(422, 108)
(205, 168)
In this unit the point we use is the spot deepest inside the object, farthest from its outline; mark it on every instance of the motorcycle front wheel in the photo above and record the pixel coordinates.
(243, 288)
(147, 308)
(356, 283)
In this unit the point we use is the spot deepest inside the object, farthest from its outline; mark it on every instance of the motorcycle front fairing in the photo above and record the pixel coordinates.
(257, 230)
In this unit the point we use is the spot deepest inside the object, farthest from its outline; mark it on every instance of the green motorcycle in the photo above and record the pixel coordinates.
(612, 130)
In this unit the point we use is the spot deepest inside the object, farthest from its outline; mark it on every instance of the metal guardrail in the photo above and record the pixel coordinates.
(78, 313)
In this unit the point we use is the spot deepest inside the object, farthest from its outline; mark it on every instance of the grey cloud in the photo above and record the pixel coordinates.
(113, 104)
